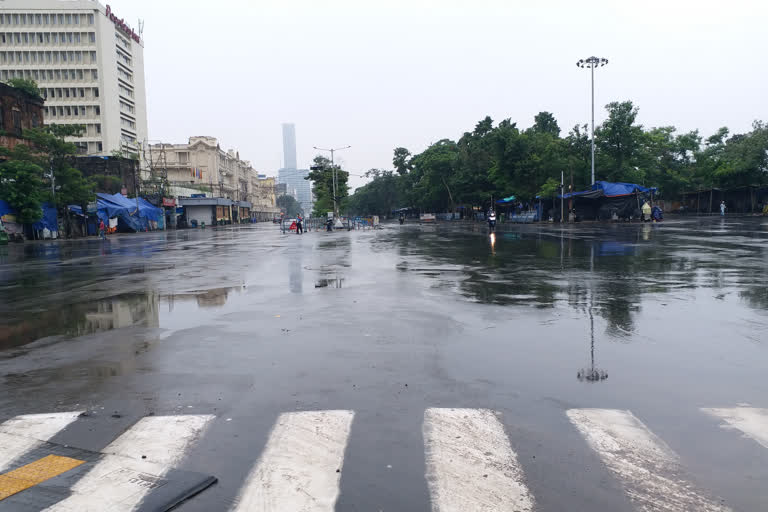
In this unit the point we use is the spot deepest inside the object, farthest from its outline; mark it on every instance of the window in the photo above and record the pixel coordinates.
(77, 19)
(65, 74)
(69, 37)
(60, 17)
(25, 37)
(92, 37)
(17, 120)
(74, 111)
(98, 110)
(95, 92)
(23, 19)
(45, 19)
(77, 37)
(69, 19)
(15, 19)
(82, 111)
(100, 147)
(66, 91)
(55, 37)
(39, 19)
(98, 129)
(80, 77)
(40, 37)
(90, 22)
(183, 157)
(68, 110)
(95, 74)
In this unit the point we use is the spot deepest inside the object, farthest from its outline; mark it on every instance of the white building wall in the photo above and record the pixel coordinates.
(91, 42)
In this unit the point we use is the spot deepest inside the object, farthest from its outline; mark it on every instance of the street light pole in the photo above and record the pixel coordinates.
(334, 180)
(592, 63)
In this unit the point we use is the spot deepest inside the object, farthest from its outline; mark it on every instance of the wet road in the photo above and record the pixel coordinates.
(248, 324)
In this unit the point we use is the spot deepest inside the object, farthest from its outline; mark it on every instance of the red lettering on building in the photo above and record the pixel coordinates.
(121, 24)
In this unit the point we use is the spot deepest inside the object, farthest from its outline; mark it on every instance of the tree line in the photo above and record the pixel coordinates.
(496, 161)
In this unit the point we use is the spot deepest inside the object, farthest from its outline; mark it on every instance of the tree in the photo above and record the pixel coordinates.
(21, 186)
(56, 153)
(289, 205)
(380, 196)
(545, 122)
(321, 176)
(401, 161)
(619, 140)
(26, 85)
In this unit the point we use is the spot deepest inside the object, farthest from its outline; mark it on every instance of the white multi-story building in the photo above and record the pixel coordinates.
(88, 63)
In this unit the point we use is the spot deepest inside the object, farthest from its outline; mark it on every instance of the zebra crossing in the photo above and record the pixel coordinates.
(470, 463)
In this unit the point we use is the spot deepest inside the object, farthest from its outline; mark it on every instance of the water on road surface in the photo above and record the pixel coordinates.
(594, 367)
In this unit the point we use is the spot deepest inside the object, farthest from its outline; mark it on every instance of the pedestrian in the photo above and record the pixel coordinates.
(102, 229)
(646, 215)
(722, 208)
(299, 225)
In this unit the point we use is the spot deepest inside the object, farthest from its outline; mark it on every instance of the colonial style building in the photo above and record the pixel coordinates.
(201, 166)
(18, 111)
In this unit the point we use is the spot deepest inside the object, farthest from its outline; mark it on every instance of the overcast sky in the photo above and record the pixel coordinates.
(380, 74)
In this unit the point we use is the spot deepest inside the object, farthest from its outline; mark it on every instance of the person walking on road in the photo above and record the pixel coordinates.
(102, 229)
(299, 225)
(722, 208)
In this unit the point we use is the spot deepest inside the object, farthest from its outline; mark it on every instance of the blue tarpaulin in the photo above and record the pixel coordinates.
(49, 220)
(5, 208)
(610, 189)
(117, 205)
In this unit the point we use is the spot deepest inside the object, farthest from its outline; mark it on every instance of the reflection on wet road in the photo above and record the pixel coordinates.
(247, 324)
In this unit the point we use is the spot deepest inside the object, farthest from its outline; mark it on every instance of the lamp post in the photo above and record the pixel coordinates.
(592, 63)
(335, 185)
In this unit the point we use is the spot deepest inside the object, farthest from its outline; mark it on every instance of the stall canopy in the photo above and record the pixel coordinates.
(129, 216)
(610, 189)
(48, 220)
(606, 199)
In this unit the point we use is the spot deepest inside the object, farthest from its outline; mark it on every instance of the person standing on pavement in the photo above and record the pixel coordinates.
(646, 216)
(722, 208)
(299, 225)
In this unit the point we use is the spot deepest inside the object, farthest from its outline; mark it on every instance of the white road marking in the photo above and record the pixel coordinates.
(648, 469)
(751, 421)
(24, 433)
(121, 479)
(470, 463)
(300, 467)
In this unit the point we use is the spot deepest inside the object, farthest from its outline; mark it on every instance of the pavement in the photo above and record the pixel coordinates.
(602, 367)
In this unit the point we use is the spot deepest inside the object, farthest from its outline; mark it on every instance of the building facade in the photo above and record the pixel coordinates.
(88, 64)
(289, 146)
(201, 166)
(18, 111)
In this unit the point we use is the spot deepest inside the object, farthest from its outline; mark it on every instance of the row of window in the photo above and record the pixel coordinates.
(70, 92)
(127, 107)
(72, 111)
(128, 93)
(73, 57)
(47, 38)
(47, 19)
(123, 58)
(128, 77)
(89, 148)
(51, 75)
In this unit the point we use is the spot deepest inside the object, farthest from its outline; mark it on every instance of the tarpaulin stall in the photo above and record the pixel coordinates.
(605, 198)
(131, 215)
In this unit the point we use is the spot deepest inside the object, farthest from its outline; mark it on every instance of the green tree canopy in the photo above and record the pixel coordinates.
(289, 205)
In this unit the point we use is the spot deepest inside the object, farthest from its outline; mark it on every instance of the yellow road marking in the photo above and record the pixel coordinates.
(35, 473)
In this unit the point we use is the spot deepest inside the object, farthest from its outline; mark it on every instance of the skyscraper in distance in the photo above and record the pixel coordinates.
(290, 175)
(289, 146)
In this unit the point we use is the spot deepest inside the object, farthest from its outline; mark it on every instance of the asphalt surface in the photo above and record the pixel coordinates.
(248, 323)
